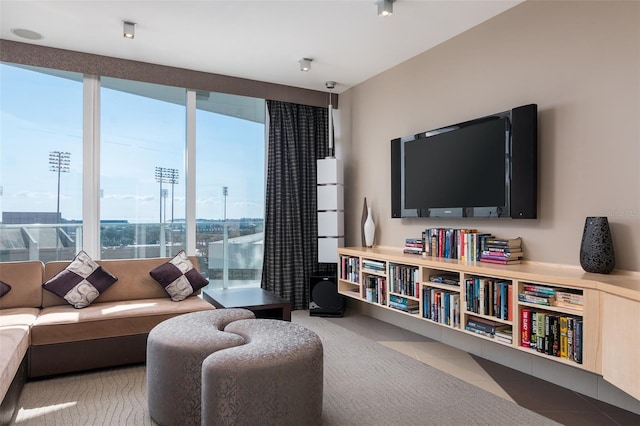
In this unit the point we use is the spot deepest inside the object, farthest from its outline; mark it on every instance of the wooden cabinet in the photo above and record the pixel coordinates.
(595, 317)
(621, 342)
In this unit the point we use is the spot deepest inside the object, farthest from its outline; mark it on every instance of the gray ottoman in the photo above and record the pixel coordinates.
(175, 351)
(275, 378)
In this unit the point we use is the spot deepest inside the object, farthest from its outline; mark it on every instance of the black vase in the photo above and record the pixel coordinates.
(596, 249)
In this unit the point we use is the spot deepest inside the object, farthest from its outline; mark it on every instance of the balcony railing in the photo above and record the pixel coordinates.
(229, 253)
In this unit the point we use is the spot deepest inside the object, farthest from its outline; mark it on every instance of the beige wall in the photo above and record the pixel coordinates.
(578, 60)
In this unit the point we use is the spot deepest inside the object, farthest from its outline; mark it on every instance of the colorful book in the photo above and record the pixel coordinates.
(524, 327)
(501, 261)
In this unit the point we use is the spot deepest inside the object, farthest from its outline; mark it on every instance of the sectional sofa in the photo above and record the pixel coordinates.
(42, 334)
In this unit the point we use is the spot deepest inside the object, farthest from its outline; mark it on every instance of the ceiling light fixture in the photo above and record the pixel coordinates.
(305, 64)
(385, 7)
(128, 29)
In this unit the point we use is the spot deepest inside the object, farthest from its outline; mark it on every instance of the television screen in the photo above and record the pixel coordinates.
(465, 167)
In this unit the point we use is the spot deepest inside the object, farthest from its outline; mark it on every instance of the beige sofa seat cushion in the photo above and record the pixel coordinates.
(14, 342)
(25, 279)
(18, 316)
(64, 323)
(134, 281)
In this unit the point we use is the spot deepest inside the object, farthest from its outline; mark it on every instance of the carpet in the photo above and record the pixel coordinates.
(365, 383)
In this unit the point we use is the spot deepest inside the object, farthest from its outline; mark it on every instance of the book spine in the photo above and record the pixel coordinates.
(578, 345)
(540, 334)
(564, 344)
(524, 327)
(533, 340)
(555, 327)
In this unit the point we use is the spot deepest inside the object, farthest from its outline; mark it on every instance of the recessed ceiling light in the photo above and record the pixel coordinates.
(28, 34)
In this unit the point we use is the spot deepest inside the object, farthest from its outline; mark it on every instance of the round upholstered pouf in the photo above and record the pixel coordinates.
(275, 378)
(175, 351)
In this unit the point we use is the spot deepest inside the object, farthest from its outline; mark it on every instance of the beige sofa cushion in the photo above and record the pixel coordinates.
(134, 281)
(64, 323)
(25, 279)
(18, 316)
(14, 342)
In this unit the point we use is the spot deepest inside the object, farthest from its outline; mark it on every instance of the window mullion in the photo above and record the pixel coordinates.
(190, 173)
(91, 166)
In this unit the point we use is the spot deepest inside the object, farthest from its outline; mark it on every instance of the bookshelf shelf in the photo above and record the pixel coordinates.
(596, 303)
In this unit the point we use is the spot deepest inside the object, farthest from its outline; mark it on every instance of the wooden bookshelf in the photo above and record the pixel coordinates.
(609, 316)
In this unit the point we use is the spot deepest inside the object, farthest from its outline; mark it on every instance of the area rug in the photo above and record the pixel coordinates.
(365, 383)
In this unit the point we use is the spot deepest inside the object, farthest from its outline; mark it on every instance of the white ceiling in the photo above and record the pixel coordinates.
(260, 40)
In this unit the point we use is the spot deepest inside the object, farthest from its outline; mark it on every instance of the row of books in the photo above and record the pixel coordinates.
(404, 279)
(441, 306)
(414, 246)
(375, 291)
(350, 269)
(552, 334)
(466, 245)
(504, 251)
(453, 243)
(404, 304)
(549, 296)
(489, 297)
(489, 328)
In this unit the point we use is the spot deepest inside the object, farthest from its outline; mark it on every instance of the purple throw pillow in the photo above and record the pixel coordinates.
(179, 277)
(4, 288)
(81, 282)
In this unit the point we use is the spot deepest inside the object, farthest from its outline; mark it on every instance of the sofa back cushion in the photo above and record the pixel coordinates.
(134, 281)
(25, 279)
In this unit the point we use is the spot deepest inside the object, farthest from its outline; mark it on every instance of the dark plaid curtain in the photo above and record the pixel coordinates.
(297, 138)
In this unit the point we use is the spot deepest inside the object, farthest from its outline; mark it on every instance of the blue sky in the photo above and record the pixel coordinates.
(41, 113)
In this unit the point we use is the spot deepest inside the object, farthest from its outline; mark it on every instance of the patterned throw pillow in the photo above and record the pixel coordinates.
(179, 277)
(81, 282)
(4, 288)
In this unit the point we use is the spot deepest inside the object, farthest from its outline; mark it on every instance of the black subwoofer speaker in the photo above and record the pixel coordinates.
(324, 299)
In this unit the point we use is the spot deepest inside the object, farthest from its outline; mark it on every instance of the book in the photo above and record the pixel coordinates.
(533, 339)
(564, 343)
(504, 335)
(500, 262)
(492, 249)
(540, 331)
(577, 356)
(500, 256)
(528, 298)
(554, 325)
(505, 242)
(525, 333)
(509, 302)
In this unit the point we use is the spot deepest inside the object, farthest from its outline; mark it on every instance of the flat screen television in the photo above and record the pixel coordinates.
(482, 168)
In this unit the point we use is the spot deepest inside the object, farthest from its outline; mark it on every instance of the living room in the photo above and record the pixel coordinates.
(579, 62)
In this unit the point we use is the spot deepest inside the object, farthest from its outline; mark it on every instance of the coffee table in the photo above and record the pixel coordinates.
(262, 303)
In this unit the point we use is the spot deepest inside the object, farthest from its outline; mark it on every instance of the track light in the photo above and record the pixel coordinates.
(385, 7)
(305, 64)
(128, 29)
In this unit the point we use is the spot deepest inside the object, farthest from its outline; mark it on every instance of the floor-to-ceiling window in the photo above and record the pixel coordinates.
(141, 152)
(230, 150)
(142, 179)
(40, 163)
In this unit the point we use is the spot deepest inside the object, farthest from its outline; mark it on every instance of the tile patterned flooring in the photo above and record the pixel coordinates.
(554, 402)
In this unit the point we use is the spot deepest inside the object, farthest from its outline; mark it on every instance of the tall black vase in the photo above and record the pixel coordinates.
(596, 249)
